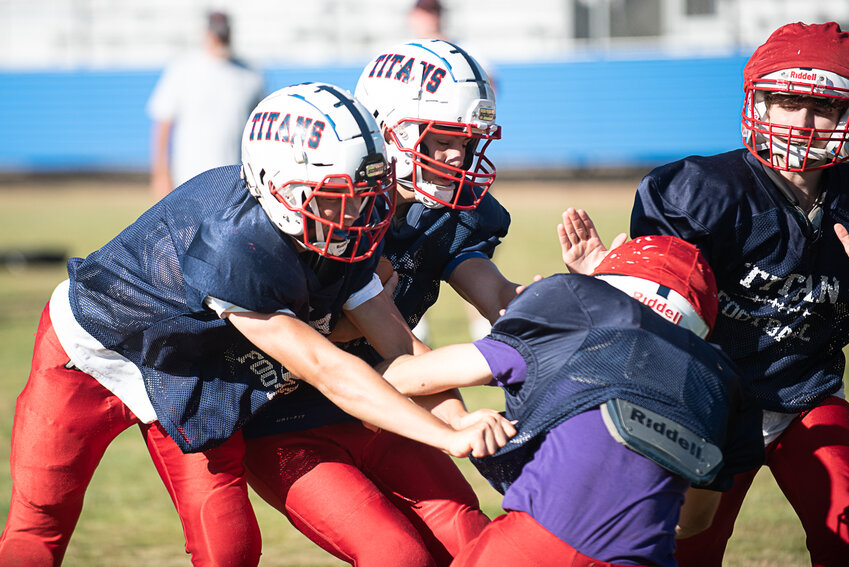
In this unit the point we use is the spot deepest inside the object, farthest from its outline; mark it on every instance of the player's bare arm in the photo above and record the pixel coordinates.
(362, 393)
(345, 330)
(380, 322)
(452, 366)
(396, 339)
(580, 242)
(445, 369)
(697, 511)
(480, 283)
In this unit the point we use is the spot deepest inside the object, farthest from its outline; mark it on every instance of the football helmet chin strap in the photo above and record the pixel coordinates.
(334, 247)
(427, 192)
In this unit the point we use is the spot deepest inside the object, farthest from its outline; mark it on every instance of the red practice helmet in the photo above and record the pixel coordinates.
(669, 275)
(799, 59)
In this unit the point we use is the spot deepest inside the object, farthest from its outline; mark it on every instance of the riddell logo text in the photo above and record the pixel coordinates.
(668, 431)
(802, 76)
(661, 307)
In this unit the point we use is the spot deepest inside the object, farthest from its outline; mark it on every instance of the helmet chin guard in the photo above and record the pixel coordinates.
(316, 162)
(432, 86)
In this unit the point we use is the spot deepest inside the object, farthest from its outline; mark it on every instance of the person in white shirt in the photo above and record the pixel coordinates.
(199, 107)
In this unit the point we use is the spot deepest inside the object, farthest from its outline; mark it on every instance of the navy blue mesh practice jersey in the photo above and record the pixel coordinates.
(142, 295)
(430, 243)
(586, 342)
(782, 308)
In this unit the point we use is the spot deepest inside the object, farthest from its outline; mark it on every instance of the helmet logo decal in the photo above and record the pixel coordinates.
(435, 79)
(386, 58)
(283, 132)
(487, 114)
(431, 74)
(803, 75)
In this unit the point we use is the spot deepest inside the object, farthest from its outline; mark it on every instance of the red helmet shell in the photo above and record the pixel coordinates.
(669, 262)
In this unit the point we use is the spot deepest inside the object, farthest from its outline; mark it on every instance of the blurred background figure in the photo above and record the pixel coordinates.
(199, 107)
(425, 19)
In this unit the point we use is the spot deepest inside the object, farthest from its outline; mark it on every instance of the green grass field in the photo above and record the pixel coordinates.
(128, 519)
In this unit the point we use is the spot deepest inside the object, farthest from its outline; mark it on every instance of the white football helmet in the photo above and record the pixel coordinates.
(787, 148)
(309, 153)
(432, 86)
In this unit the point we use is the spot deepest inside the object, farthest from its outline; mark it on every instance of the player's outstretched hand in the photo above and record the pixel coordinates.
(580, 243)
(483, 433)
(843, 235)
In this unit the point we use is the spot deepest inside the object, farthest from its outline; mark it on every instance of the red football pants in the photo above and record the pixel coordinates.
(64, 421)
(515, 539)
(810, 463)
(369, 498)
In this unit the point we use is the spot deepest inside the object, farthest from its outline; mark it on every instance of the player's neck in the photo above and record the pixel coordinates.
(804, 185)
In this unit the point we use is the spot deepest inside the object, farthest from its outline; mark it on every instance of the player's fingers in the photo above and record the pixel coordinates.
(561, 232)
(508, 428)
(619, 240)
(587, 225)
(584, 227)
(572, 227)
(479, 446)
(499, 436)
(579, 223)
(491, 442)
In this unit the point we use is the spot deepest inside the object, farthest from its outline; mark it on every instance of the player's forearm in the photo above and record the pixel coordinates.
(362, 393)
(413, 376)
(447, 406)
(449, 367)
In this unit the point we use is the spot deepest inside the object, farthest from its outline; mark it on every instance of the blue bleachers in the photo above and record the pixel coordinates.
(569, 114)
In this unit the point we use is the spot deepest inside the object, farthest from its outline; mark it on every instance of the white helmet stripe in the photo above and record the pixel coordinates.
(666, 302)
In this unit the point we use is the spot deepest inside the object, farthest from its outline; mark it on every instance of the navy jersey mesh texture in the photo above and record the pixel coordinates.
(135, 280)
(782, 311)
(641, 358)
(142, 294)
(430, 244)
